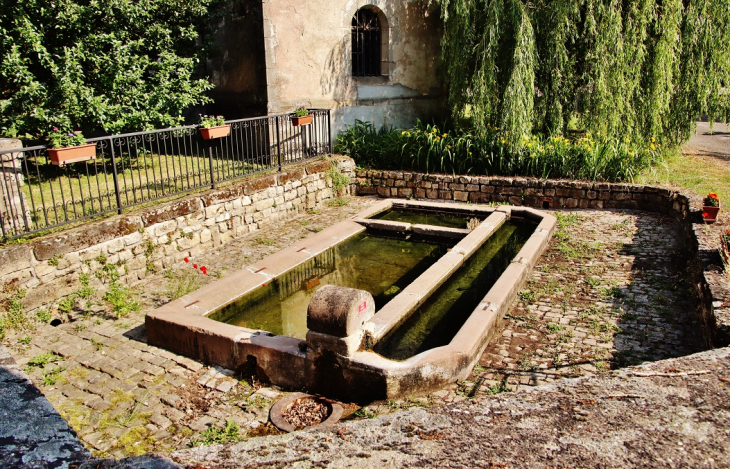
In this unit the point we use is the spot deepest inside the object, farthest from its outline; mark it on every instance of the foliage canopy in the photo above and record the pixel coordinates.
(100, 65)
(632, 69)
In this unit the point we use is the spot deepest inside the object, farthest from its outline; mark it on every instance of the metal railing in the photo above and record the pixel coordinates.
(131, 169)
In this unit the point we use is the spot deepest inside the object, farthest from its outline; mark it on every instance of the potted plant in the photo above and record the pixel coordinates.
(710, 207)
(69, 147)
(301, 117)
(213, 127)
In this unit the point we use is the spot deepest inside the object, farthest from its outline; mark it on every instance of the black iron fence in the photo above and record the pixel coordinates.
(131, 169)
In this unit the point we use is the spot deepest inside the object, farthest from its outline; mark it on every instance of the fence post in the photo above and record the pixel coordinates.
(209, 143)
(116, 178)
(329, 130)
(278, 143)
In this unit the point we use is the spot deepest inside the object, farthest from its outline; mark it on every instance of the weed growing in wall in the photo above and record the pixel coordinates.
(339, 180)
(118, 296)
(12, 315)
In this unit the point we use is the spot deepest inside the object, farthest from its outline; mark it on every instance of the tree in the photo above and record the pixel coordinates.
(99, 65)
(636, 69)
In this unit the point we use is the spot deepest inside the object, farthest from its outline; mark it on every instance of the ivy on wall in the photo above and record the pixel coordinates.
(633, 69)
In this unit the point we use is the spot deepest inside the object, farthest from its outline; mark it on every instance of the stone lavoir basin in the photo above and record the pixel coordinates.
(399, 299)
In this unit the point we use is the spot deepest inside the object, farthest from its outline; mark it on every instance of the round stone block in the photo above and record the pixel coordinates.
(339, 311)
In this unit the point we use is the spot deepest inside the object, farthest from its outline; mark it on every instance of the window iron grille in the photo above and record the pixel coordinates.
(366, 38)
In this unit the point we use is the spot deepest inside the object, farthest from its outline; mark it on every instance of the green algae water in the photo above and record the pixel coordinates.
(425, 217)
(381, 266)
(439, 319)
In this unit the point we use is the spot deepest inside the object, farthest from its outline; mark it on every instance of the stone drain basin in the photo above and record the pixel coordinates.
(333, 350)
(293, 412)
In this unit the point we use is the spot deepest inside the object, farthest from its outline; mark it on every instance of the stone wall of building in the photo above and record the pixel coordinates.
(288, 53)
(159, 237)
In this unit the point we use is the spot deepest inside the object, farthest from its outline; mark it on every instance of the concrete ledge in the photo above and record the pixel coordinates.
(384, 225)
(379, 207)
(441, 231)
(480, 234)
(390, 316)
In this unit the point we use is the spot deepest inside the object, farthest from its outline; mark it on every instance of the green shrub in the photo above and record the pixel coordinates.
(428, 148)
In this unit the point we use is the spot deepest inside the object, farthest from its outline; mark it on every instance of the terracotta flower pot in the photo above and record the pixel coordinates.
(210, 133)
(305, 120)
(709, 213)
(62, 156)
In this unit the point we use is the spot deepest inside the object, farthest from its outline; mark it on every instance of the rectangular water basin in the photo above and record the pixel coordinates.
(435, 307)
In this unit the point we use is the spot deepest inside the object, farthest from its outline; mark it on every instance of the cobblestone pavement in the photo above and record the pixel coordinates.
(124, 397)
(609, 292)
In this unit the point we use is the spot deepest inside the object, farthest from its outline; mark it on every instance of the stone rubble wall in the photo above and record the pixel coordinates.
(702, 254)
(160, 237)
(539, 193)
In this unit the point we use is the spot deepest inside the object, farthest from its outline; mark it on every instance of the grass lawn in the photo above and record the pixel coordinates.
(699, 173)
(79, 189)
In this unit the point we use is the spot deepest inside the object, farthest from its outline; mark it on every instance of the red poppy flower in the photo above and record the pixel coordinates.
(204, 269)
(195, 266)
(186, 260)
(705, 214)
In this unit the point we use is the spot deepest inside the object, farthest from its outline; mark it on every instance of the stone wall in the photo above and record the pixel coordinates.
(701, 241)
(162, 236)
(546, 193)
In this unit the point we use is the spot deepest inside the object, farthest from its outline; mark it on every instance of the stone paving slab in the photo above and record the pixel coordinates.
(124, 397)
(610, 292)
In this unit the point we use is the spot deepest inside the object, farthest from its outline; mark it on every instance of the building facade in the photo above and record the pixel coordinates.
(373, 60)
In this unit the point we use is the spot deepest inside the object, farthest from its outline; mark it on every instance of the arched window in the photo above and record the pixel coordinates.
(366, 42)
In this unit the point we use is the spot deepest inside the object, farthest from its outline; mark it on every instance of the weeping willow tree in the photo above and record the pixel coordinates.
(631, 69)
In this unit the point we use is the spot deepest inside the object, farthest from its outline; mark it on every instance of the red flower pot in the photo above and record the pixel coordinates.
(215, 132)
(305, 120)
(61, 156)
(709, 213)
